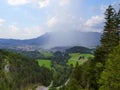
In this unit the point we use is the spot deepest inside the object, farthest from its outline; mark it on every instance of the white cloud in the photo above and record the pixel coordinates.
(61, 20)
(2, 21)
(30, 32)
(95, 20)
(95, 23)
(43, 3)
(18, 2)
(64, 22)
(40, 3)
(10, 31)
(13, 28)
(33, 31)
(64, 2)
(15, 32)
(52, 22)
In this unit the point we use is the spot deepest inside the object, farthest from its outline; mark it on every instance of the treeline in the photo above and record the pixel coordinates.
(32, 54)
(79, 49)
(102, 72)
(18, 72)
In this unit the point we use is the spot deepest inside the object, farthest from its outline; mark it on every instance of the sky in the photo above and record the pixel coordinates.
(25, 19)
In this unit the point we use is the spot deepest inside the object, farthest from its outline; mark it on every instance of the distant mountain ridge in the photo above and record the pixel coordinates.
(54, 39)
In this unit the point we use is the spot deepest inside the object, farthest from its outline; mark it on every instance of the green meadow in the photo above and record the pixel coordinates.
(75, 58)
(45, 63)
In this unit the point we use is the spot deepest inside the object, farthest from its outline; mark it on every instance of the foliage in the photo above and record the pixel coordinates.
(79, 49)
(47, 54)
(110, 78)
(61, 71)
(61, 74)
(72, 85)
(110, 37)
(60, 58)
(52, 88)
(109, 40)
(18, 72)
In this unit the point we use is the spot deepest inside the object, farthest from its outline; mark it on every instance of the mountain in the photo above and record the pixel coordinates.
(28, 44)
(73, 38)
(54, 39)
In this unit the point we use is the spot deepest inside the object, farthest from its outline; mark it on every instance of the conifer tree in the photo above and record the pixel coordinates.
(110, 79)
(110, 37)
(118, 24)
(110, 34)
(109, 40)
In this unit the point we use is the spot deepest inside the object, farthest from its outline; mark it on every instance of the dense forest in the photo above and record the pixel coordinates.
(18, 72)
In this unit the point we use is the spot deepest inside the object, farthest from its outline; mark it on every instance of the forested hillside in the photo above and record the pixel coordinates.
(79, 49)
(19, 73)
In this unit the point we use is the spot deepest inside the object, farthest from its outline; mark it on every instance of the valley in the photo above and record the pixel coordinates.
(59, 45)
(58, 64)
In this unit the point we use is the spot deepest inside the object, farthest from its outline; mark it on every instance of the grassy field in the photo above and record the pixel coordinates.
(75, 58)
(45, 63)
(47, 54)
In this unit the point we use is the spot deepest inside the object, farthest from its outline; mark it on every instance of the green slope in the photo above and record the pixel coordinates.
(45, 63)
(75, 58)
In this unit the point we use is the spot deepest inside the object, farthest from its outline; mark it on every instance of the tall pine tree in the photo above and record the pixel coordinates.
(118, 24)
(110, 78)
(110, 34)
(109, 40)
(110, 37)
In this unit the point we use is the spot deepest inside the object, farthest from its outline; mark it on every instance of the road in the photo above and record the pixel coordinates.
(41, 88)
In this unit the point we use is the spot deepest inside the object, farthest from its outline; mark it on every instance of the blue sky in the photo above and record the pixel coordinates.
(24, 19)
